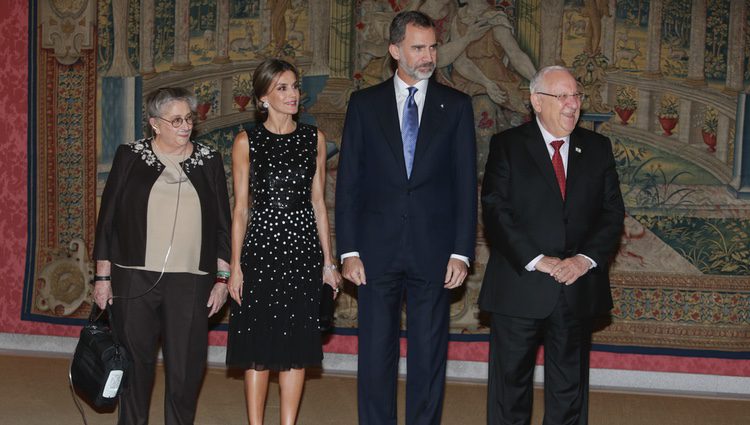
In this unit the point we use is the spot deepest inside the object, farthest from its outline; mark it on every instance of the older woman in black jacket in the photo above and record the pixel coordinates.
(164, 217)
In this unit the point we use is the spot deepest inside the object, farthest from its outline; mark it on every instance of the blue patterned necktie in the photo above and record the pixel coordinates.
(410, 129)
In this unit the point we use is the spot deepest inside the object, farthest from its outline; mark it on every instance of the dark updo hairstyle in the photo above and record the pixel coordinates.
(156, 100)
(263, 78)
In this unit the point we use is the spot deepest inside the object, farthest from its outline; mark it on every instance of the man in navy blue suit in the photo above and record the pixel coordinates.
(406, 209)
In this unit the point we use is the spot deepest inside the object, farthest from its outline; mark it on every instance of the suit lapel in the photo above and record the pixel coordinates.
(430, 123)
(575, 168)
(388, 119)
(538, 151)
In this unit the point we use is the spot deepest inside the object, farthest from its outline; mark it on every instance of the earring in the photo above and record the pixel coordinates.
(265, 105)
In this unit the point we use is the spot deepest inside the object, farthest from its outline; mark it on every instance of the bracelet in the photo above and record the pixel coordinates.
(329, 267)
(221, 279)
(100, 278)
(223, 273)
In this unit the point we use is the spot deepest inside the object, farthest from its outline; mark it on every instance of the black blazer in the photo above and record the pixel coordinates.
(524, 216)
(121, 227)
(375, 201)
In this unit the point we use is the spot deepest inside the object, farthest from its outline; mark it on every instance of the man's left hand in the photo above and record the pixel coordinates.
(455, 273)
(570, 269)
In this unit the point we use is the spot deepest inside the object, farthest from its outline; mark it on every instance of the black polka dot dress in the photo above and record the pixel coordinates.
(276, 327)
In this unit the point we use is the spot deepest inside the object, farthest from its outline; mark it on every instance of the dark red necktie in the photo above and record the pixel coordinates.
(557, 164)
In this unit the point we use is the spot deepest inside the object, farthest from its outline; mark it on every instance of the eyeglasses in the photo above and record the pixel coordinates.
(177, 122)
(564, 97)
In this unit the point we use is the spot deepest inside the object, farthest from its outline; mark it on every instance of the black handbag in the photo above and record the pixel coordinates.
(325, 319)
(99, 368)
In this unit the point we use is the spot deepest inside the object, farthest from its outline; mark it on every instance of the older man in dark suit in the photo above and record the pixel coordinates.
(553, 214)
(405, 221)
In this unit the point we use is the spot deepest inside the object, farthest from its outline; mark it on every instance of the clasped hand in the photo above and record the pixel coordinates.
(565, 271)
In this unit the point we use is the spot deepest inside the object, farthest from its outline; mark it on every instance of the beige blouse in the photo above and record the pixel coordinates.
(184, 257)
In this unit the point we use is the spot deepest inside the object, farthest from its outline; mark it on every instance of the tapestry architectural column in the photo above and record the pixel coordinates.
(121, 66)
(608, 31)
(696, 76)
(147, 39)
(644, 117)
(265, 23)
(722, 134)
(222, 32)
(551, 33)
(320, 14)
(653, 51)
(339, 53)
(608, 42)
(181, 60)
(686, 109)
(736, 48)
(120, 86)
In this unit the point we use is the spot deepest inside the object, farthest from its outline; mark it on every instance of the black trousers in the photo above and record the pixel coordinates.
(427, 321)
(513, 346)
(174, 312)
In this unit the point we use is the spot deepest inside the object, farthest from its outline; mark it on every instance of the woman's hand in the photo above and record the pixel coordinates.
(331, 276)
(235, 286)
(102, 293)
(217, 298)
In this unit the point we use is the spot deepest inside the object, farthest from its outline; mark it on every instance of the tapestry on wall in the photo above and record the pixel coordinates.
(667, 100)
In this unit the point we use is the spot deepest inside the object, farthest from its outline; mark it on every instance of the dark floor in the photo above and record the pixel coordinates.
(35, 391)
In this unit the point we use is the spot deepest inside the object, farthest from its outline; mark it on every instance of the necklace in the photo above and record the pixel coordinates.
(176, 166)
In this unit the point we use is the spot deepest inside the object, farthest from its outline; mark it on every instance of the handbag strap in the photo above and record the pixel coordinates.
(95, 318)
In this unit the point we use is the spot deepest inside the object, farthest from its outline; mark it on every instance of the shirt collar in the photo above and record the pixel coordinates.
(548, 137)
(402, 88)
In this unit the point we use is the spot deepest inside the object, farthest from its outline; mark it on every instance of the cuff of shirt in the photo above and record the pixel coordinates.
(349, 254)
(532, 264)
(462, 258)
(456, 256)
(593, 263)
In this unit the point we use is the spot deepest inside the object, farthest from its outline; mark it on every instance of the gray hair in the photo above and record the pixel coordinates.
(397, 30)
(536, 81)
(156, 100)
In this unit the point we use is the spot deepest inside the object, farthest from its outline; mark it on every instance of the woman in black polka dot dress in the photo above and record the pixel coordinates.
(283, 257)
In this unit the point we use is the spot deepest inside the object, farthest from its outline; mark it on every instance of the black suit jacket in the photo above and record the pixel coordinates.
(525, 215)
(375, 201)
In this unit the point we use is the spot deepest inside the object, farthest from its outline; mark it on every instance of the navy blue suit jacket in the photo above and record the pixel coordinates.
(525, 215)
(376, 204)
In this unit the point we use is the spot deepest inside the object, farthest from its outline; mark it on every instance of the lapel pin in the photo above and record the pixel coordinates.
(578, 150)
(442, 106)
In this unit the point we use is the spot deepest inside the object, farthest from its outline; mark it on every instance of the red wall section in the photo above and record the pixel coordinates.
(13, 172)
